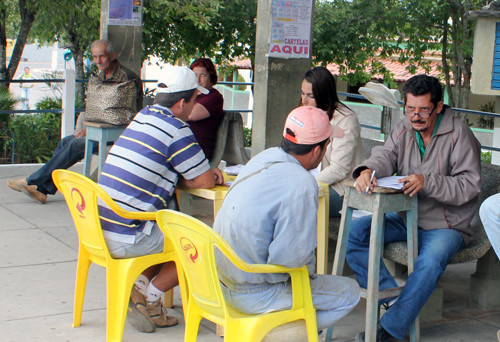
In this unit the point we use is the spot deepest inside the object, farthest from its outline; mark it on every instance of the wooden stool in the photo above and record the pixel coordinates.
(381, 201)
(101, 134)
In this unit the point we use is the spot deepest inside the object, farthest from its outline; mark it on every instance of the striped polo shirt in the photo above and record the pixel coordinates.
(143, 167)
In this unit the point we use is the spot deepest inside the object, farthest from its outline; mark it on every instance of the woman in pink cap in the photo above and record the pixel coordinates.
(343, 154)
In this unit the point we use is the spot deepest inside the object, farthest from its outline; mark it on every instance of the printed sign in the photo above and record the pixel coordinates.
(125, 12)
(291, 28)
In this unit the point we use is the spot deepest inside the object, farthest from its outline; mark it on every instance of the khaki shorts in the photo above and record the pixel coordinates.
(144, 245)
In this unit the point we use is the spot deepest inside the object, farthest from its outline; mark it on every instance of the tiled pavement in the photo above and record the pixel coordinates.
(38, 248)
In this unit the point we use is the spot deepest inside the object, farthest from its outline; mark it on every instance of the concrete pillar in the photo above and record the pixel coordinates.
(127, 40)
(277, 85)
(68, 103)
(485, 282)
(495, 156)
(55, 54)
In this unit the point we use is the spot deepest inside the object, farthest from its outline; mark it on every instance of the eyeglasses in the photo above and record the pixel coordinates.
(201, 75)
(424, 112)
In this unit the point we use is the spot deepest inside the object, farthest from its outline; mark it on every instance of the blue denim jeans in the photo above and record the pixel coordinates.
(435, 250)
(69, 151)
(335, 203)
(490, 217)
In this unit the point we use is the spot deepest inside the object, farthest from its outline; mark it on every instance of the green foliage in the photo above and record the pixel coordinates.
(7, 102)
(487, 121)
(486, 157)
(241, 87)
(354, 33)
(247, 137)
(48, 102)
(73, 26)
(227, 73)
(16, 20)
(183, 30)
(7, 99)
(35, 137)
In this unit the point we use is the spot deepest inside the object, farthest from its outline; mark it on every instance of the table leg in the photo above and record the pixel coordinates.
(217, 206)
(322, 233)
(376, 245)
(343, 236)
(412, 237)
(88, 157)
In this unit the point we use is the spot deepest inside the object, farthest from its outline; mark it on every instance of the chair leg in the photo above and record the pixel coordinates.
(168, 300)
(118, 297)
(82, 271)
(329, 333)
(88, 156)
(192, 324)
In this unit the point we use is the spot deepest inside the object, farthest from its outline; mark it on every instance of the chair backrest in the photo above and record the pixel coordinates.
(194, 243)
(82, 196)
(229, 144)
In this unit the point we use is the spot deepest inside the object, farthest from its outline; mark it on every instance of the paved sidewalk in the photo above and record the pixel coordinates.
(38, 249)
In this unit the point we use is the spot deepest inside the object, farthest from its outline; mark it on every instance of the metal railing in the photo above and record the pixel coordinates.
(459, 110)
(347, 95)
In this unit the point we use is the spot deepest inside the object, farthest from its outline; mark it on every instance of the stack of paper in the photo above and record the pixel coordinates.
(391, 182)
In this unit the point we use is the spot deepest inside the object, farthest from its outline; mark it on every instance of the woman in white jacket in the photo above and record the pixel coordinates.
(343, 154)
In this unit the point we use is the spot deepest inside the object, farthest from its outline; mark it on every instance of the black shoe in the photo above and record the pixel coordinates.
(382, 336)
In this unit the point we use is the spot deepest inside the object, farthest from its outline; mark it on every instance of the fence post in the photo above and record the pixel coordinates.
(68, 103)
(495, 156)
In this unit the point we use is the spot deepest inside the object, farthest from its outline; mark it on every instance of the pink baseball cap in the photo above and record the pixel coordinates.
(309, 125)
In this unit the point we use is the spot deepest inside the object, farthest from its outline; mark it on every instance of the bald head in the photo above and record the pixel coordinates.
(103, 55)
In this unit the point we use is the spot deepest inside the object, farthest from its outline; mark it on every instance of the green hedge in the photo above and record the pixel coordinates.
(33, 137)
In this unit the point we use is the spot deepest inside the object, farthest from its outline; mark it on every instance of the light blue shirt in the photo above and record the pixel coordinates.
(269, 218)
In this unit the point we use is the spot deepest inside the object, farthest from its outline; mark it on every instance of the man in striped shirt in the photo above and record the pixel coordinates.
(154, 153)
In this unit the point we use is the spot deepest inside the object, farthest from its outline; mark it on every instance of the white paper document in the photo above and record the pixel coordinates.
(391, 182)
(233, 170)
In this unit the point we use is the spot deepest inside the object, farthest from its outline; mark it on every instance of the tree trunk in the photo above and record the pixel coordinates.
(80, 89)
(27, 10)
(3, 46)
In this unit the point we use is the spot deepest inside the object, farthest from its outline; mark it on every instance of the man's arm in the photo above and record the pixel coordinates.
(80, 129)
(383, 160)
(365, 181)
(206, 180)
(463, 182)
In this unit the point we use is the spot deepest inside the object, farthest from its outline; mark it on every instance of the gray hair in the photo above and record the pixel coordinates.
(109, 47)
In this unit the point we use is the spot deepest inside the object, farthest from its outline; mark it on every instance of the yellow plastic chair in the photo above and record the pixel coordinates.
(195, 243)
(82, 196)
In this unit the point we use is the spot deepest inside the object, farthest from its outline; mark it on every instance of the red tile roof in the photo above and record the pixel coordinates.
(399, 70)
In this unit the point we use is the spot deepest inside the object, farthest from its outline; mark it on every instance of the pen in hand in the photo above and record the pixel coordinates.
(371, 179)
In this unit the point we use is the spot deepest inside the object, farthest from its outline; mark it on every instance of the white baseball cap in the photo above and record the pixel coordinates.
(177, 79)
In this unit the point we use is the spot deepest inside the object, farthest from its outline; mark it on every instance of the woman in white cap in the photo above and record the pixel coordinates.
(343, 154)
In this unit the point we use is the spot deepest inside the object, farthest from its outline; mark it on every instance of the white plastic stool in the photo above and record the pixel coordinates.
(102, 134)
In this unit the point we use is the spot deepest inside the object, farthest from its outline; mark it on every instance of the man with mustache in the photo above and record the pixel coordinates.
(440, 158)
